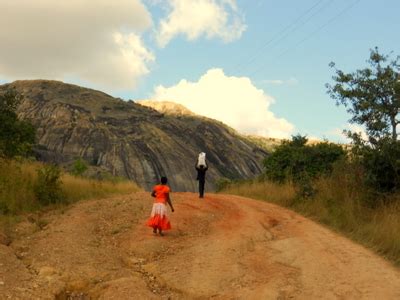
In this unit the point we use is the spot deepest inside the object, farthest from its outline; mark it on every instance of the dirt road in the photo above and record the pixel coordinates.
(222, 247)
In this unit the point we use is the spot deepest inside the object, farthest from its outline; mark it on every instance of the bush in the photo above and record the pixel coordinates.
(20, 188)
(381, 166)
(296, 161)
(48, 186)
(79, 167)
(222, 183)
(4, 210)
(16, 136)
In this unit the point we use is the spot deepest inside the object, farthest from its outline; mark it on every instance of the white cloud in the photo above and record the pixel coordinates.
(273, 81)
(290, 81)
(195, 18)
(95, 41)
(358, 129)
(341, 137)
(232, 100)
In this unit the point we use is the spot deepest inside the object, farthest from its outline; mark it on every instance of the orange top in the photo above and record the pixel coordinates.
(161, 192)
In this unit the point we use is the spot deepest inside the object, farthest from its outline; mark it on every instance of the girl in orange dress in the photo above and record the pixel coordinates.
(159, 220)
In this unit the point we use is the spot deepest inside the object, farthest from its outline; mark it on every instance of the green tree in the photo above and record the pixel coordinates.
(371, 95)
(16, 136)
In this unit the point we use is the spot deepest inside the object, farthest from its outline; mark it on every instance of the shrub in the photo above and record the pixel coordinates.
(296, 161)
(79, 167)
(4, 210)
(48, 186)
(382, 166)
(222, 183)
(16, 136)
(21, 188)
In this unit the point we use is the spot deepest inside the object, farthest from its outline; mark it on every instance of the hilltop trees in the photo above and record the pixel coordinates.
(372, 96)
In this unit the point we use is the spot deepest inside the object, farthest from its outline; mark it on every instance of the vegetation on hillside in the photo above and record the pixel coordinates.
(16, 136)
(337, 196)
(372, 96)
(28, 186)
(298, 162)
(339, 204)
(356, 192)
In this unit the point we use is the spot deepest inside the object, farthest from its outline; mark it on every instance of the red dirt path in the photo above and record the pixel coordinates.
(220, 247)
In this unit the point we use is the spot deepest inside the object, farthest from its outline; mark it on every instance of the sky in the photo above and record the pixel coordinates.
(260, 66)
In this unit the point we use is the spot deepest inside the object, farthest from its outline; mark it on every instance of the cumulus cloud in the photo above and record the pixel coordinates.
(339, 132)
(96, 41)
(195, 18)
(232, 100)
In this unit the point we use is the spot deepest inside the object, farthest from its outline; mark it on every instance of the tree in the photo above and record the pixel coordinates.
(371, 95)
(16, 136)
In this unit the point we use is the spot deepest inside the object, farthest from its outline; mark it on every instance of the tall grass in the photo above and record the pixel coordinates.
(78, 188)
(282, 194)
(18, 178)
(17, 182)
(340, 204)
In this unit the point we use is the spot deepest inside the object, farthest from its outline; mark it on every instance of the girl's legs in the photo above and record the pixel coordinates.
(159, 230)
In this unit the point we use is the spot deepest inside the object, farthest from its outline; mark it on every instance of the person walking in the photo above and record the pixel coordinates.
(201, 167)
(158, 219)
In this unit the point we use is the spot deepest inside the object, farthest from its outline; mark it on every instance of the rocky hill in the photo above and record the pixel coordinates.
(167, 107)
(171, 108)
(131, 140)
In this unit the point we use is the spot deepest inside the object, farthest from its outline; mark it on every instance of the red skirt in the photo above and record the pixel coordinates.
(158, 218)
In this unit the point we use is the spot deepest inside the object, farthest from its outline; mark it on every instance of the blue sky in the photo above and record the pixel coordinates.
(278, 54)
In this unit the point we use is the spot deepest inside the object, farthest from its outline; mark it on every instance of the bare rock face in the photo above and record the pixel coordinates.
(132, 140)
(167, 107)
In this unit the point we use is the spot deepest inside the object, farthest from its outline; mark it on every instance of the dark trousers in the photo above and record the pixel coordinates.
(201, 188)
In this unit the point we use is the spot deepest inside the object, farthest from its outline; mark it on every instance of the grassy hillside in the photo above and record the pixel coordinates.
(19, 178)
(339, 204)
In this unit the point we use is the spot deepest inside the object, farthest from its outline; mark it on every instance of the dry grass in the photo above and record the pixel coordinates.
(340, 205)
(77, 188)
(17, 180)
(280, 194)
(16, 186)
(379, 229)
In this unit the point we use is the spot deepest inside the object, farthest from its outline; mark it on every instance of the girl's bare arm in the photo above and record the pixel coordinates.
(170, 203)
